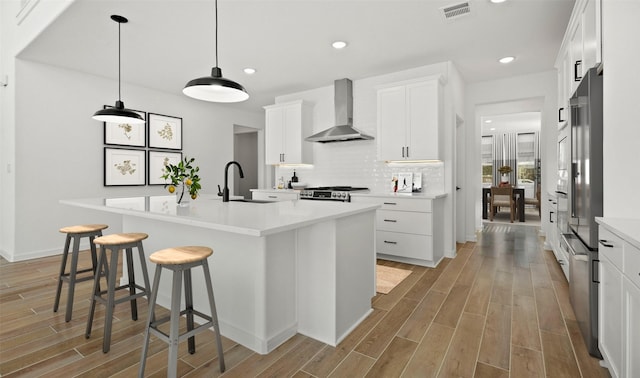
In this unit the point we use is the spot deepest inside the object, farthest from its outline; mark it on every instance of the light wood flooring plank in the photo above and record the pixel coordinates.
(452, 271)
(481, 290)
(452, 307)
(526, 363)
(524, 323)
(392, 362)
(549, 315)
(430, 353)
(417, 324)
(488, 371)
(460, 360)
(559, 360)
(522, 284)
(496, 341)
(502, 288)
(294, 360)
(355, 365)
(589, 366)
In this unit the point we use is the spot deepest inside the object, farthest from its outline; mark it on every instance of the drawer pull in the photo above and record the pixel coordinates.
(390, 242)
(389, 203)
(272, 196)
(606, 243)
(390, 220)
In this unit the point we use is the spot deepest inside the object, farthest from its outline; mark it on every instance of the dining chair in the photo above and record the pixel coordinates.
(535, 201)
(502, 197)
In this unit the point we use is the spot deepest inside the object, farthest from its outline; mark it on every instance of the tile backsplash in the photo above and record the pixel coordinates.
(355, 164)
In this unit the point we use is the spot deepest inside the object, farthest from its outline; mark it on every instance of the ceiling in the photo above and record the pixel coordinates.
(511, 123)
(169, 42)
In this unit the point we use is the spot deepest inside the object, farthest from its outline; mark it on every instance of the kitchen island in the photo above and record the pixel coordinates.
(278, 268)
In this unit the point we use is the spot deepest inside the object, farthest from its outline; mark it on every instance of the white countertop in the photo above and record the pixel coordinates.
(276, 190)
(208, 211)
(628, 229)
(401, 195)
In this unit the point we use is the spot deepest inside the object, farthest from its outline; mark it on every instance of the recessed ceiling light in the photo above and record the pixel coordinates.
(498, 1)
(488, 121)
(249, 71)
(493, 129)
(507, 59)
(339, 45)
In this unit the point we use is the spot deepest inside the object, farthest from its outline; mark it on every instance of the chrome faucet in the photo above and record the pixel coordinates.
(225, 191)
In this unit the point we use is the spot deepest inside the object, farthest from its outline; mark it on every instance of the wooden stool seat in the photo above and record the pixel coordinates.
(108, 267)
(117, 239)
(75, 233)
(180, 260)
(82, 228)
(180, 255)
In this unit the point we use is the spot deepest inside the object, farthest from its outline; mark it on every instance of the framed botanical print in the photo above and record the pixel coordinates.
(124, 167)
(157, 162)
(164, 132)
(125, 134)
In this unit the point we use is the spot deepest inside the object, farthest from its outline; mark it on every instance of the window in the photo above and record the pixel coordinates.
(487, 159)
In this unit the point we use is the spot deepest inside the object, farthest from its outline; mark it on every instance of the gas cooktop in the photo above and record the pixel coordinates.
(331, 193)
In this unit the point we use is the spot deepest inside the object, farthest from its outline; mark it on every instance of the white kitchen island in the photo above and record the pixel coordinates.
(278, 268)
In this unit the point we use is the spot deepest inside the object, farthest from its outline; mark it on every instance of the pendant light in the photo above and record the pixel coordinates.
(215, 88)
(118, 114)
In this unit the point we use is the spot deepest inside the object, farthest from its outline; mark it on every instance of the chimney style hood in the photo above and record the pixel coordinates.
(344, 130)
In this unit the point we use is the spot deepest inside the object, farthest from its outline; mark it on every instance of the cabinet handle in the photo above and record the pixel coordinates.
(594, 271)
(402, 151)
(560, 115)
(550, 214)
(272, 196)
(390, 220)
(407, 151)
(606, 243)
(576, 65)
(389, 203)
(390, 242)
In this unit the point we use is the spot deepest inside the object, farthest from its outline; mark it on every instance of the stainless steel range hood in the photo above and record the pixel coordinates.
(344, 130)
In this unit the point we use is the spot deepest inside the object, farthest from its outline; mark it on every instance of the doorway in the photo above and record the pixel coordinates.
(245, 152)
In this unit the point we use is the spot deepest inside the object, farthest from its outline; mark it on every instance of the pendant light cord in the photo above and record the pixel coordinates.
(216, 16)
(119, 95)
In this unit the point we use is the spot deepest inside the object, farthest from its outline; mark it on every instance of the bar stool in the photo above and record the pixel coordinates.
(180, 260)
(116, 242)
(76, 233)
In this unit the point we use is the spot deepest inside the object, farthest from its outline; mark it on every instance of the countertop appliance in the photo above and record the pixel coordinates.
(330, 193)
(585, 203)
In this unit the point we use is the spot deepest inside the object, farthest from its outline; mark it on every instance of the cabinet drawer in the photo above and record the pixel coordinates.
(404, 245)
(631, 263)
(611, 246)
(404, 221)
(274, 196)
(396, 203)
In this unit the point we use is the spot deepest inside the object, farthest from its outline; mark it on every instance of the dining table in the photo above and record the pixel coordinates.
(518, 193)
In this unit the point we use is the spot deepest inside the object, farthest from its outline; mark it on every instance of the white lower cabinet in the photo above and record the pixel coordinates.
(274, 195)
(619, 305)
(408, 229)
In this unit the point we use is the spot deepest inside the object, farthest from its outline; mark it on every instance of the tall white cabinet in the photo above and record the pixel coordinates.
(619, 296)
(286, 126)
(410, 116)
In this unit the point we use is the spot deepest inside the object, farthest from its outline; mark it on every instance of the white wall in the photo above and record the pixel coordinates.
(59, 148)
(535, 92)
(355, 162)
(621, 82)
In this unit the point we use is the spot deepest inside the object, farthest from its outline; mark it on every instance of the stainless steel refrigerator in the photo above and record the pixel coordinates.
(585, 199)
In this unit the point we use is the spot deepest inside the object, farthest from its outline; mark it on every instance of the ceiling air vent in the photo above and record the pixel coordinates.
(457, 10)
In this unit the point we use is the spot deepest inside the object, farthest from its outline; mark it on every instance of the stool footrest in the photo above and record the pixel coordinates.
(166, 338)
(116, 301)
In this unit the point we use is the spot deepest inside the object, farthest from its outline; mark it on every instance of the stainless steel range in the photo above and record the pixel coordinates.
(330, 193)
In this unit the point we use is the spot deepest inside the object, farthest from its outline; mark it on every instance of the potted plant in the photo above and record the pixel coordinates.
(183, 178)
(504, 170)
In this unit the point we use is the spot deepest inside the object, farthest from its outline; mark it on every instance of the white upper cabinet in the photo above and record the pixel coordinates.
(286, 127)
(581, 50)
(409, 120)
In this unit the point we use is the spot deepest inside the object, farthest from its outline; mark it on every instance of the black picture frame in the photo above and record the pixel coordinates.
(116, 134)
(124, 167)
(155, 163)
(164, 131)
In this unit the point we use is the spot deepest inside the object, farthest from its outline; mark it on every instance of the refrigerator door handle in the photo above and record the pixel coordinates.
(594, 271)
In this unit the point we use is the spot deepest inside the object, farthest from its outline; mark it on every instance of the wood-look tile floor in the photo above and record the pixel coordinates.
(499, 309)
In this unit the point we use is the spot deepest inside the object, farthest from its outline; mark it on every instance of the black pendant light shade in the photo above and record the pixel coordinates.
(215, 88)
(118, 113)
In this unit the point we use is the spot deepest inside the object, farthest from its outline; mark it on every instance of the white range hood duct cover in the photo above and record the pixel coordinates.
(344, 130)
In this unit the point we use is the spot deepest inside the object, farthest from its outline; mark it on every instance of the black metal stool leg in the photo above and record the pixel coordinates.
(145, 274)
(72, 276)
(96, 289)
(63, 268)
(108, 320)
(188, 299)
(174, 328)
(132, 284)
